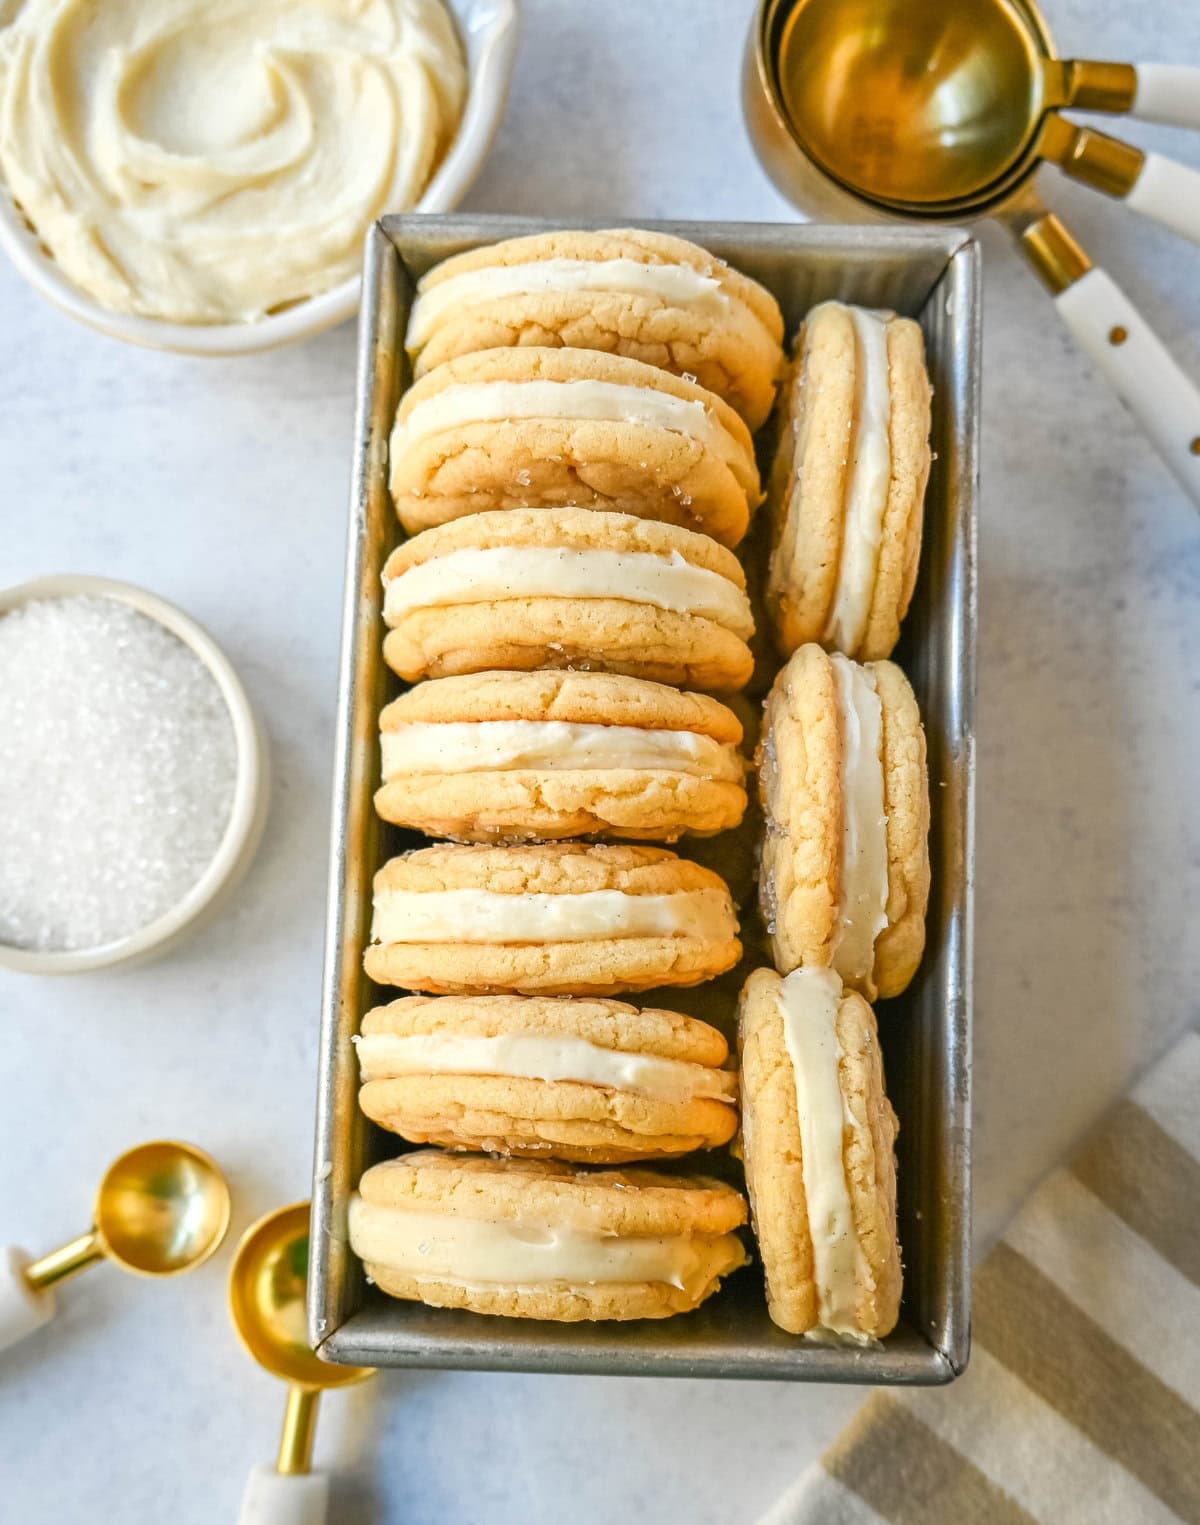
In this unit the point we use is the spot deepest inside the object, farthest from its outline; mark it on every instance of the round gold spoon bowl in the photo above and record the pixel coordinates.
(161, 1209)
(267, 1290)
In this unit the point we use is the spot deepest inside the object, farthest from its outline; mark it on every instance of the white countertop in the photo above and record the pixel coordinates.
(223, 487)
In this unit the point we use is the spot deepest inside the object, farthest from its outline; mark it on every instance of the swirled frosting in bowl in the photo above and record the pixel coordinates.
(210, 161)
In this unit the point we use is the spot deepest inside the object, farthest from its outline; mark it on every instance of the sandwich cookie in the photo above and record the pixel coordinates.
(551, 428)
(844, 788)
(541, 1239)
(511, 756)
(561, 918)
(818, 1137)
(595, 1081)
(847, 483)
(649, 296)
(568, 587)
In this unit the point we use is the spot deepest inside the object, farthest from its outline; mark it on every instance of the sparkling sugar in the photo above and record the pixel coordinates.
(117, 765)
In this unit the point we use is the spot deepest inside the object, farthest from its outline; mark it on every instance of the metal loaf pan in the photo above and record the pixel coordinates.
(933, 275)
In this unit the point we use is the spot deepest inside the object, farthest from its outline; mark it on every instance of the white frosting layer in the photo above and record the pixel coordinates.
(672, 284)
(385, 1056)
(511, 745)
(808, 1007)
(863, 910)
(867, 488)
(469, 1251)
(483, 916)
(498, 574)
(207, 161)
(477, 402)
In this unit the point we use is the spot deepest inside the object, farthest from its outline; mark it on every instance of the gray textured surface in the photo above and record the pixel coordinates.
(222, 485)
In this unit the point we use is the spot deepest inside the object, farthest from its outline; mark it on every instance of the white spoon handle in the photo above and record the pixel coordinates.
(276, 1498)
(1140, 370)
(1170, 193)
(22, 1310)
(1167, 93)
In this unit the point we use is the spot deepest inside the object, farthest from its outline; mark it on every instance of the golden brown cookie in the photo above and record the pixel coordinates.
(846, 491)
(649, 296)
(568, 587)
(554, 428)
(595, 1081)
(818, 1137)
(845, 792)
(534, 756)
(541, 1239)
(561, 918)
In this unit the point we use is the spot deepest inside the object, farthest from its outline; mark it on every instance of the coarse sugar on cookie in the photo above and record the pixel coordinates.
(553, 428)
(625, 291)
(596, 1081)
(568, 588)
(537, 756)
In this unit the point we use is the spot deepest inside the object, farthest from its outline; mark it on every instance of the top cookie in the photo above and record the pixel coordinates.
(546, 428)
(847, 484)
(650, 296)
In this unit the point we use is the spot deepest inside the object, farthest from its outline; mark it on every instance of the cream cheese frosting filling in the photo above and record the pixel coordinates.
(206, 161)
(387, 1056)
(514, 745)
(497, 574)
(485, 916)
(676, 285)
(864, 877)
(472, 1251)
(867, 489)
(808, 1001)
(477, 402)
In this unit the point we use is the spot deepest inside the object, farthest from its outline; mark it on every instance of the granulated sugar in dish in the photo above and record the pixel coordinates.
(117, 766)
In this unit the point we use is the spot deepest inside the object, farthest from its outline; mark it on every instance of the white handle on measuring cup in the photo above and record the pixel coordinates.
(1170, 193)
(22, 1308)
(1168, 93)
(1140, 370)
(277, 1498)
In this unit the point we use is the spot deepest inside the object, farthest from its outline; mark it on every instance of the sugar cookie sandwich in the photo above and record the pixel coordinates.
(534, 756)
(571, 1079)
(550, 428)
(845, 861)
(568, 587)
(561, 918)
(541, 1239)
(847, 485)
(818, 1140)
(649, 296)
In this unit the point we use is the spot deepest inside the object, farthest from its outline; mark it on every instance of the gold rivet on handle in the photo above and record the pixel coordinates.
(1194, 447)
(1117, 334)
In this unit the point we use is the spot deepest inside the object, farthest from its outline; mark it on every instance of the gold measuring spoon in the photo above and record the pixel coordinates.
(267, 1287)
(868, 106)
(162, 1208)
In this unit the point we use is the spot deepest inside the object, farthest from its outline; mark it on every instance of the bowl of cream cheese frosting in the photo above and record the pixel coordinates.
(198, 175)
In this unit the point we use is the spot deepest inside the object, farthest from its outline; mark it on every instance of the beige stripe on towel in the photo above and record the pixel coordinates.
(1082, 1402)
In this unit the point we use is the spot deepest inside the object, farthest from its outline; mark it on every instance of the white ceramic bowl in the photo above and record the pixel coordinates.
(489, 31)
(247, 813)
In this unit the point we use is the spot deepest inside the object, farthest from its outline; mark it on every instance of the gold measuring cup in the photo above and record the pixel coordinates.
(162, 1209)
(986, 118)
(267, 1287)
(878, 109)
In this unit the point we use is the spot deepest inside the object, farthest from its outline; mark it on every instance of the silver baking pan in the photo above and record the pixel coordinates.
(933, 275)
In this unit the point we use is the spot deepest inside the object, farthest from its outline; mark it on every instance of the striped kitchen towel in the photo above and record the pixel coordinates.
(1081, 1405)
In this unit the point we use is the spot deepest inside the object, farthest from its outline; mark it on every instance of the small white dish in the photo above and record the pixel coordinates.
(251, 789)
(489, 31)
